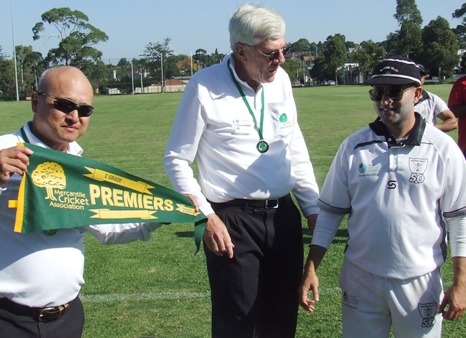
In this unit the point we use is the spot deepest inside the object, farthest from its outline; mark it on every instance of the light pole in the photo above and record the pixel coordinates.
(142, 85)
(191, 64)
(161, 70)
(132, 78)
(14, 50)
(21, 62)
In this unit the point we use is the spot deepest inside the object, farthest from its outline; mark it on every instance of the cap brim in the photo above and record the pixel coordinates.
(392, 81)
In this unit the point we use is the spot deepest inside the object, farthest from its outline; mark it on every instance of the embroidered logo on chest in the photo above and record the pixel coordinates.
(368, 169)
(418, 167)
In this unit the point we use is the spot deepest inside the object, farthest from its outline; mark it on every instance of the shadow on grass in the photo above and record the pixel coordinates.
(340, 237)
(184, 234)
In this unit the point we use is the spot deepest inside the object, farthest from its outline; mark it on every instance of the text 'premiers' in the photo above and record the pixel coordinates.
(127, 199)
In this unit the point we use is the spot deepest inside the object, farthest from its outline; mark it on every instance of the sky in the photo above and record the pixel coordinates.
(132, 24)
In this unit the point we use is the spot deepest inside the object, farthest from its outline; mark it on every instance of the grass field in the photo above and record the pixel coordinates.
(159, 288)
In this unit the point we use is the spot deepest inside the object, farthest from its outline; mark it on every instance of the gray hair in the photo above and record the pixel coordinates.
(253, 23)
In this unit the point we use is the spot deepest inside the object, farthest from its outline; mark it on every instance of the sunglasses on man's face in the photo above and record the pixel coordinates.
(275, 55)
(66, 106)
(394, 93)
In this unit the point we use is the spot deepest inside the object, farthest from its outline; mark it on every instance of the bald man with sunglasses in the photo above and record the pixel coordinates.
(399, 179)
(41, 273)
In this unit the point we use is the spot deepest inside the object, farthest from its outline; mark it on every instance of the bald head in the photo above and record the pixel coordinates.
(54, 123)
(63, 76)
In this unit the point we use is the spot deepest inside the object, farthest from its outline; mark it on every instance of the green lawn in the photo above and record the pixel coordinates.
(159, 288)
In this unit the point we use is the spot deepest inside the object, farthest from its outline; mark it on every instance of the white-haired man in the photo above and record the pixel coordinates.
(238, 119)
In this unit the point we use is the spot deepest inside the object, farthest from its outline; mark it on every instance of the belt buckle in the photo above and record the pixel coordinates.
(48, 314)
(271, 204)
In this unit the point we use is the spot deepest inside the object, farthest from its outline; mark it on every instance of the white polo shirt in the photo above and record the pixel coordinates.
(397, 195)
(429, 106)
(41, 270)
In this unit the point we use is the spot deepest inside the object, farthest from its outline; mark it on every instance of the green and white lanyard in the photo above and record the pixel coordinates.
(23, 134)
(262, 146)
(25, 138)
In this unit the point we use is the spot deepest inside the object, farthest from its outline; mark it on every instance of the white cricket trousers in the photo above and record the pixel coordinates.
(372, 305)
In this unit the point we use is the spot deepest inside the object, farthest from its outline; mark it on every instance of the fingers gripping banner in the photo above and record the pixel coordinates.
(65, 191)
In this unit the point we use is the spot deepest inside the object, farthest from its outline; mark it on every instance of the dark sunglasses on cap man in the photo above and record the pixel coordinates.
(394, 93)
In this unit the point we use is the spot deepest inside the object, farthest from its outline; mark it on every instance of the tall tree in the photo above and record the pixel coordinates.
(329, 64)
(30, 66)
(75, 34)
(201, 58)
(156, 55)
(334, 54)
(7, 78)
(314, 48)
(407, 39)
(302, 45)
(458, 13)
(294, 68)
(439, 53)
(460, 30)
(367, 55)
(185, 65)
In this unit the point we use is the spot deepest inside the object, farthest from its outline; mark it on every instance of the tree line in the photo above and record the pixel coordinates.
(434, 45)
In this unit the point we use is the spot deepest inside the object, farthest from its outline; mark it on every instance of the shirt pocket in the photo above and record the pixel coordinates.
(282, 118)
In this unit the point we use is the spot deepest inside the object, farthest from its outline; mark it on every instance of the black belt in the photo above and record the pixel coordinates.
(45, 314)
(260, 204)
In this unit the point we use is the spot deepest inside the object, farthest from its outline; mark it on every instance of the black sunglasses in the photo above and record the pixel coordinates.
(66, 106)
(394, 93)
(275, 55)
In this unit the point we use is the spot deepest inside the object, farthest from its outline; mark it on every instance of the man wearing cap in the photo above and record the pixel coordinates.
(398, 179)
(431, 107)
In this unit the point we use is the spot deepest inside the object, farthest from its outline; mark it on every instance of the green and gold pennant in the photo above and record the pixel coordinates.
(65, 191)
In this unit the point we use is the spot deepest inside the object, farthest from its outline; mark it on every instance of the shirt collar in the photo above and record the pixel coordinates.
(74, 147)
(424, 96)
(414, 137)
(230, 62)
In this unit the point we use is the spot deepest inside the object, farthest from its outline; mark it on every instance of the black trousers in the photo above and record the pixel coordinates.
(69, 325)
(255, 294)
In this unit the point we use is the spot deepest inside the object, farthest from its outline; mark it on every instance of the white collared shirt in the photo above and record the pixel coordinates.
(430, 106)
(397, 197)
(214, 127)
(39, 270)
